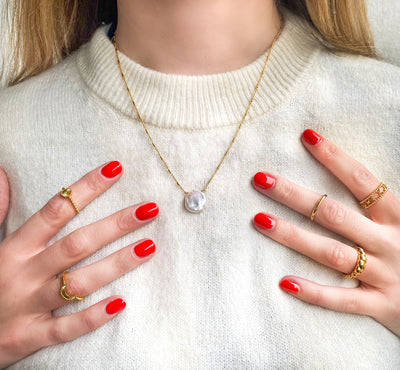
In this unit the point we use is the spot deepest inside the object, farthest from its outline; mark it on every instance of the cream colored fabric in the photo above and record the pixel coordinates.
(209, 299)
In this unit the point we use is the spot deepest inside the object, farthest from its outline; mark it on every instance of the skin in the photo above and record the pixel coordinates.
(196, 37)
(190, 37)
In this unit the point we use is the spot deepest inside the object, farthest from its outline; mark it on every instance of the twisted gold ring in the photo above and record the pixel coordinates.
(66, 193)
(360, 265)
(314, 211)
(63, 292)
(377, 194)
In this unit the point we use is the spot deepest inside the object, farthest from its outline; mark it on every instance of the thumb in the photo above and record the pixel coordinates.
(4, 195)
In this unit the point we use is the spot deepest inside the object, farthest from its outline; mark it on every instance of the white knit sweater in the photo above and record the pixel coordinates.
(209, 298)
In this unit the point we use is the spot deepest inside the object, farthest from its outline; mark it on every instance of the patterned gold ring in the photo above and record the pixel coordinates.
(63, 292)
(377, 194)
(67, 193)
(360, 265)
(314, 211)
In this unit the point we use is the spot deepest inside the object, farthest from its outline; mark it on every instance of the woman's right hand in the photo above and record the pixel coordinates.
(29, 269)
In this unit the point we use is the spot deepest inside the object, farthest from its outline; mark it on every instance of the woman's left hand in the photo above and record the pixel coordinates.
(378, 294)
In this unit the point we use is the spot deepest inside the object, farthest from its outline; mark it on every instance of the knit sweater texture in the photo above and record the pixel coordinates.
(210, 297)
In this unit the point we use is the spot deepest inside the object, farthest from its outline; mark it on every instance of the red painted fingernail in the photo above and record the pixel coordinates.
(289, 286)
(111, 169)
(264, 180)
(115, 306)
(264, 221)
(145, 248)
(311, 137)
(147, 211)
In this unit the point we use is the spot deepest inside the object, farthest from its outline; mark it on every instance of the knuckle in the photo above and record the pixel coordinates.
(93, 183)
(124, 221)
(317, 297)
(328, 151)
(88, 321)
(52, 211)
(122, 263)
(56, 334)
(333, 212)
(337, 256)
(285, 190)
(362, 177)
(74, 246)
(290, 234)
(349, 304)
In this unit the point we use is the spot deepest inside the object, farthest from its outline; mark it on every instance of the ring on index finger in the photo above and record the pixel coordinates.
(314, 211)
(67, 193)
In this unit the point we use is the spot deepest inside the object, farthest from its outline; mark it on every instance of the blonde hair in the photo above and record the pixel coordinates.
(43, 32)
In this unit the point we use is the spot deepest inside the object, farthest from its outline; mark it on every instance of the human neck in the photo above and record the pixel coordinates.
(196, 37)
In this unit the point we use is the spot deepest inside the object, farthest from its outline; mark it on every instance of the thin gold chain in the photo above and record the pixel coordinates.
(237, 131)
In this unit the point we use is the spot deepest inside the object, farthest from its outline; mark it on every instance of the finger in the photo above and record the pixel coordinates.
(331, 214)
(44, 224)
(327, 251)
(85, 241)
(4, 195)
(353, 174)
(350, 300)
(66, 328)
(86, 280)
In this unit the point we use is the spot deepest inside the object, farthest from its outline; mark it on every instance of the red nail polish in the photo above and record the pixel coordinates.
(145, 248)
(264, 180)
(147, 211)
(111, 169)
(115, 306)
(289, 286)
(311, 137)
(264, 221)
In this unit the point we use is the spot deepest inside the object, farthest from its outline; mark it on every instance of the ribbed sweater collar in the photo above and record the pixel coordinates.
(198, 102)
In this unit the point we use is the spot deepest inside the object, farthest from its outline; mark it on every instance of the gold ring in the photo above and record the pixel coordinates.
(377, 194)
(66, 193)
(314, 211)
(63, 292)
(360, 265)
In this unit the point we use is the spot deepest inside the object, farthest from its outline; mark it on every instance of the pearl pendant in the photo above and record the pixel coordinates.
(195, 201)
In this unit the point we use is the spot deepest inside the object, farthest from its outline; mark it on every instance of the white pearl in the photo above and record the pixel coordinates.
(195, 201)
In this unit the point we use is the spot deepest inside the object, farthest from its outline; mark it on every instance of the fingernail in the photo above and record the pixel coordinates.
(115, 306)
(289, 286)
(111, 169)
(311, 137)
(264, 180)
(147, 211)
(264, 221)
(145, 248)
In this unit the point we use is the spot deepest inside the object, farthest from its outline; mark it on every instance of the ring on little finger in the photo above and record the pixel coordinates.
(377, 194)
(360, 265)
(63, 292)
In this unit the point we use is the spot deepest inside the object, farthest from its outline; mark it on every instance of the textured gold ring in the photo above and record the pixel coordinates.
(63, 292)
(360, 265)
(377, 194)
(314, 211)
(66, 193)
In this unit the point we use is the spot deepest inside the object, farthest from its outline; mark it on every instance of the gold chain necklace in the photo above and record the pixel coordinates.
(195, 199)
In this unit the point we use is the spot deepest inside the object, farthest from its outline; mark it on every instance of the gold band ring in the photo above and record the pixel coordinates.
(63, 292)
(360, 265)
(66, 193)
(377, 194)
(314, 211)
